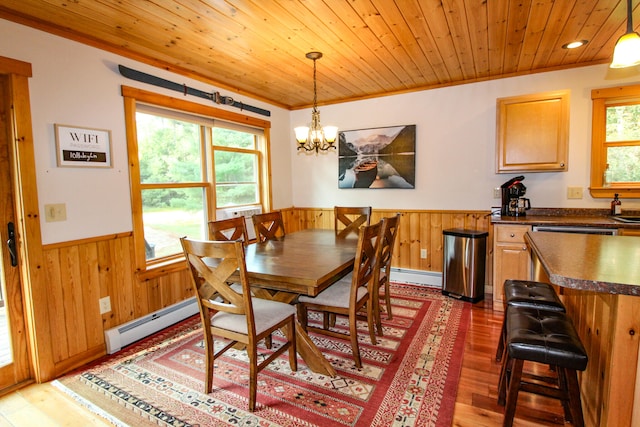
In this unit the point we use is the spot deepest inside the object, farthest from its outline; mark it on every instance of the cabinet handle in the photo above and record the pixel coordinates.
(513, 235)
(524, 248)
(561, 164)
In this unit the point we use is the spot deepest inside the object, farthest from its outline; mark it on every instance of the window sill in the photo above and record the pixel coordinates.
(609, 192)
(161, 269)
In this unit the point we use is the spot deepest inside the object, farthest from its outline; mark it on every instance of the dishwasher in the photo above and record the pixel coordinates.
(576, 229)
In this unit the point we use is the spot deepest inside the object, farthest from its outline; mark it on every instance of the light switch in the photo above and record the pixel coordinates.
(55, 212)
(574, 192)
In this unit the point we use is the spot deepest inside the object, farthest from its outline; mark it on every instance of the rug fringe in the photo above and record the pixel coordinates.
(90, 406)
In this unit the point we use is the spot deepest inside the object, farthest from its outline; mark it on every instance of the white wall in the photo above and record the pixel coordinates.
(455, 145)
(77, 85)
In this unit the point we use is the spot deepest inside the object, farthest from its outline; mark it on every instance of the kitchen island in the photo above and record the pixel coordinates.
(598, 279)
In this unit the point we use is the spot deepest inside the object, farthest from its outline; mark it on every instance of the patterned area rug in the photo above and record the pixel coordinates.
(409, 379)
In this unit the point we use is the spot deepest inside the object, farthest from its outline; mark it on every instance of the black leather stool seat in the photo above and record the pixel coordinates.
(544, 336)
(548, 337)
(525, 293)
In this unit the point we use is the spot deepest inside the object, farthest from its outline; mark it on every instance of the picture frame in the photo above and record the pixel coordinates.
(78, 146)
(382, 157)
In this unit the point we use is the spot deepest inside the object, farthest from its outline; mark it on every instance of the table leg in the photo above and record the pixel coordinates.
(306, 348)
(311, 355)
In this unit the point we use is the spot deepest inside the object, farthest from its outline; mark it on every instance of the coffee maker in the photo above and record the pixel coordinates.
(513, 204)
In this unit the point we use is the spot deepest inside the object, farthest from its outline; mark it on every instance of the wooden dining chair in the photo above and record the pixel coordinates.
(229, 229)
(268, 226)
(347, 297)
(382, 274)
(348, 220)
(235, 316)
(232, 229)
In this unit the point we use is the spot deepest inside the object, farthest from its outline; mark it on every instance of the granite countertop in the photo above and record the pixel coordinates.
(591, 262)
(572, 217)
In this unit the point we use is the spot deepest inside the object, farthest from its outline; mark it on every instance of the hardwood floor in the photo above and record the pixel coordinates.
(45, 406)
(476, 401)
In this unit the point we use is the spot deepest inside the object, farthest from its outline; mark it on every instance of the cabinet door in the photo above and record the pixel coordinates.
(532, 133)
(511, 261)
(629, 231)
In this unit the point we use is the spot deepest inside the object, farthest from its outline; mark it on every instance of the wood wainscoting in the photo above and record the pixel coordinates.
(79, 273)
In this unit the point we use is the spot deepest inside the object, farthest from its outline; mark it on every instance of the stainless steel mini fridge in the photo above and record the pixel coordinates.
(463, 267)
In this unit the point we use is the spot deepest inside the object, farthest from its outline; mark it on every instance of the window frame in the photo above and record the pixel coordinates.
(601, 99)
(132, 97)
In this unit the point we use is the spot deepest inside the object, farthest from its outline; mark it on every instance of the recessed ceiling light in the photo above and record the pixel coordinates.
(575, 44)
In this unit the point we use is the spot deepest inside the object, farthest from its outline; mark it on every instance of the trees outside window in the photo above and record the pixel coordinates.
(185, 166)
(615, 142)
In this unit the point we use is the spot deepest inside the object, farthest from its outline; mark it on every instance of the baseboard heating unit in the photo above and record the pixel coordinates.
(132, 331)
(416, 277)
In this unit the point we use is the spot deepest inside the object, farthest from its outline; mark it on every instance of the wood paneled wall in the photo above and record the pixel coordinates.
(79, 273)
(419, 229)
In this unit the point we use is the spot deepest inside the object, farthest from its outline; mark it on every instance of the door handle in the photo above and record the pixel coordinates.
(11, 244)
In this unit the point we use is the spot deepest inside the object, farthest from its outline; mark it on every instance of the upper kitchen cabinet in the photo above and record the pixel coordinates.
(532, 133)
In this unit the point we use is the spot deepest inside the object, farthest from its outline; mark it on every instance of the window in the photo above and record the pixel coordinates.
(615, 142)
(186, 164)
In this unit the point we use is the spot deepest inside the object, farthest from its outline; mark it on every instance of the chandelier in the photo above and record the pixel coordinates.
(315, 138)
(627, 50)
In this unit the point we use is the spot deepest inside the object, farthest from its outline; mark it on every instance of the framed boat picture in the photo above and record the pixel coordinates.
(377, 157)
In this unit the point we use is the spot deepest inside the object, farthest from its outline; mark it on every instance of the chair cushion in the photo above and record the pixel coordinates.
(336, 295)
(524, 293)
(266, 314)
(544, 336)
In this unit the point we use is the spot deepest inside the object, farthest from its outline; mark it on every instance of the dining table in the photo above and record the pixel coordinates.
(301, 263)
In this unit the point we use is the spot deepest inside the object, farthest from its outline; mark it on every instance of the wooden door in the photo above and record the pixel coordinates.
(14, 355)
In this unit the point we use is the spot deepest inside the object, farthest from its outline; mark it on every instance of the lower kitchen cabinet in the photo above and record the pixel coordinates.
(511, 259)
(629, 231)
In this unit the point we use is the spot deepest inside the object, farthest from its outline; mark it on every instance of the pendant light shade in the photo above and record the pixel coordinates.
(315, 137)
(627, 50)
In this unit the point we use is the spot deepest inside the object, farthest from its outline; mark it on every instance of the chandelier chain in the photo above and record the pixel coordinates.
(315, 91)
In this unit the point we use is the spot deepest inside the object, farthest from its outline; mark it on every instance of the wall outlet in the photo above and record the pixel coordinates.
(55, 212)
(105, 305)
(423, 253)
(496, 193)
(574, 192)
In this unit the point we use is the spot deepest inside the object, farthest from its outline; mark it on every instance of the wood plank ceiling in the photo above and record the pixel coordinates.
(370, 47)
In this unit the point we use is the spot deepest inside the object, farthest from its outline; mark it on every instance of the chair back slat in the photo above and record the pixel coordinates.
(229, 229)
(348, 220)
(268, 226)
(367, 252)
(214, 265)
(390, 232)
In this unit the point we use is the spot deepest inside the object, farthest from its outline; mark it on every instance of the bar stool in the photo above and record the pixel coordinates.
(525, 293)
(548, 337)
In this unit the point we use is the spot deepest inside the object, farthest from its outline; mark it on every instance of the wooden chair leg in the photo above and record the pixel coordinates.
(253, 375)
(268, 342)
(377, 316)
(353, 329)
(293, 346)
(512, 392)
(371, 308)
(302, 316)
(387, 297)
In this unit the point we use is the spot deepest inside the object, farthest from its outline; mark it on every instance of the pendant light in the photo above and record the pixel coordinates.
(627, 50)
(316, 138)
